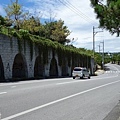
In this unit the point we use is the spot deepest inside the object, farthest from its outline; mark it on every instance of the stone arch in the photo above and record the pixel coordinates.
(19, 69)
(53, 68)
(39, 68)
(2, 78)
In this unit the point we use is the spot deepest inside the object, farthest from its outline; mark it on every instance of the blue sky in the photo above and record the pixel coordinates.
(77, 15)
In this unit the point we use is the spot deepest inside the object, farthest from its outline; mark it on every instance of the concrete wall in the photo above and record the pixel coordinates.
(16, 61)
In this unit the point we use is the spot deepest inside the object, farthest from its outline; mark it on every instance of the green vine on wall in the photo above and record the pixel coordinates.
(72, 54)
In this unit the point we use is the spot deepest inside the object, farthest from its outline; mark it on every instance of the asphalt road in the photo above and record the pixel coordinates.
(61, 98)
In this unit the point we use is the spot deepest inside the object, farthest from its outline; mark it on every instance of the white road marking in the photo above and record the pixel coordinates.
(2, 93)
(112, 71)
(56, 101)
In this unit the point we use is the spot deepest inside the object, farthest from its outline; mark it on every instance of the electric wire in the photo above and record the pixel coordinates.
(67, 2)
(75, 10)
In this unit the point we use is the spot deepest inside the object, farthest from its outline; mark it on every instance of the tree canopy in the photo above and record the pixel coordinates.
(14, 13)
(108, 15)
(56, 31)
(18, 19)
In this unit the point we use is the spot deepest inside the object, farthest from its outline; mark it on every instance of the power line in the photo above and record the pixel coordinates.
(79, 10)
(75, 10)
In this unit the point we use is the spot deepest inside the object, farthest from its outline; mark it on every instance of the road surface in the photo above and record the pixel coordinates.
(61, 98)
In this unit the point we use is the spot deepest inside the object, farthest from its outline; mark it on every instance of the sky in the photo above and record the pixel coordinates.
(78, 16)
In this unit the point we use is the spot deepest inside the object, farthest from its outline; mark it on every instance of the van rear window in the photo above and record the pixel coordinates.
(77, 69)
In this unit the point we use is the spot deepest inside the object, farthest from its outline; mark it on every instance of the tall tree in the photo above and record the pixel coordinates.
(14, 13)
(57, 31)
(31, 24)
(108, 15)
(60, 32)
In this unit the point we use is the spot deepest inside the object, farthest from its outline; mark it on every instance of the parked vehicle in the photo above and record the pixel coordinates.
(80, 72)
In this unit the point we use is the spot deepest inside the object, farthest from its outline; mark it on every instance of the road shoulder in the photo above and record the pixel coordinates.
(114, 114)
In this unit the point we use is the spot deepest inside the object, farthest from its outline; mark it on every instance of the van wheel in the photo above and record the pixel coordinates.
(73, 77)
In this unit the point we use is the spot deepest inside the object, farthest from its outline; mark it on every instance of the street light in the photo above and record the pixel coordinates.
(94, 33)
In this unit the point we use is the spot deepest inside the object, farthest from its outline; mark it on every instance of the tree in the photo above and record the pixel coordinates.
(56, 31)
(108, 15)
(31, 24)
(14, 13)
(60, 32)
(2, 20)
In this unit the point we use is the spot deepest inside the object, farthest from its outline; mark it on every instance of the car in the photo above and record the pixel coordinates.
(80, 72)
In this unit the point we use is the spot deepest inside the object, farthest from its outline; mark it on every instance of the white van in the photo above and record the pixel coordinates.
(80, 72)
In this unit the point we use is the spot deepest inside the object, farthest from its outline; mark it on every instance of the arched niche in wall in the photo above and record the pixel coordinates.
(39, 67)
(19, 69)
(2, 78)
(53, 72)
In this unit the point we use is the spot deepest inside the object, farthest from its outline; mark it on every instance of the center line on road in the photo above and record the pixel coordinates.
(56, 101)
(2, 93)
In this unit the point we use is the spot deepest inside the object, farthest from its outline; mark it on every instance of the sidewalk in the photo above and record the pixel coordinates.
(99, 72)
(114, 114)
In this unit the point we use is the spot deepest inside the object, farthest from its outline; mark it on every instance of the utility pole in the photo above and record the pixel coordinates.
(103, 55)
(94, 33)
(99, 48)
(93, 41)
